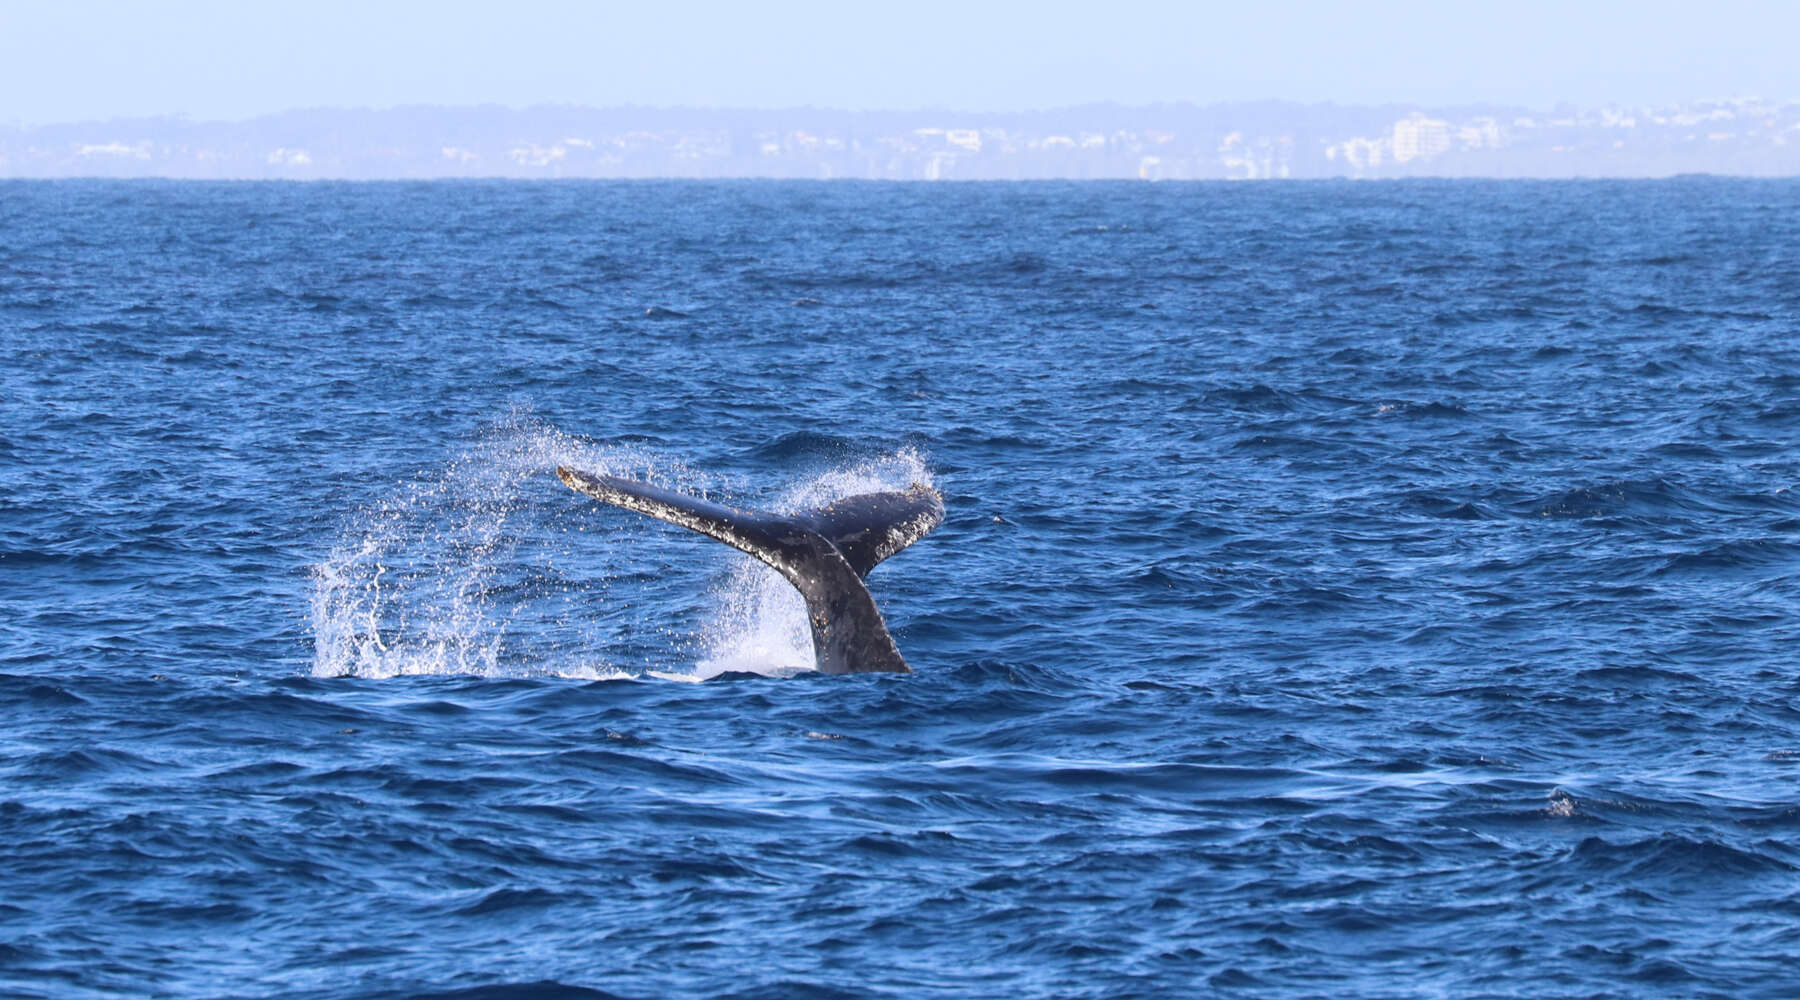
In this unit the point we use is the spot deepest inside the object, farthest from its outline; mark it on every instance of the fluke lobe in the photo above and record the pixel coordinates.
(824, 553)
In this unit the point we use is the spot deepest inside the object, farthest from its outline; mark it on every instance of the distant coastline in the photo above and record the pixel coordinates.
(1237, 141)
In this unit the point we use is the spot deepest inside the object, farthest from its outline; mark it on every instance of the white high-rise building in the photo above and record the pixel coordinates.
(1417, 137)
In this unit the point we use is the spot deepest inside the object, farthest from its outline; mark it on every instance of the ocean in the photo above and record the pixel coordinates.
(1348, 589)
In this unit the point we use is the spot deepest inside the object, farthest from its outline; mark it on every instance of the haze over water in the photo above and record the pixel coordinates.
(1347, 590)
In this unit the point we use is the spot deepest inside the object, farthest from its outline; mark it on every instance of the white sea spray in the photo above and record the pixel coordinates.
(483, 567)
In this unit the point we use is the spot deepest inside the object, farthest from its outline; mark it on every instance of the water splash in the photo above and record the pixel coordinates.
(759, 625)
(462, 571)
(481, 568)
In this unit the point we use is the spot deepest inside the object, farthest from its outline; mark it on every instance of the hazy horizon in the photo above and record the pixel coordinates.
(1560, 107)
(1168, 141)
(225, 63)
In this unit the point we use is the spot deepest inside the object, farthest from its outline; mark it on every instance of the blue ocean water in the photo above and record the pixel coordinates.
(1347, 590)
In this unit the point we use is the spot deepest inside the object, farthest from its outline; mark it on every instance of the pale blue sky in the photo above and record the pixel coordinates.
(74, 60)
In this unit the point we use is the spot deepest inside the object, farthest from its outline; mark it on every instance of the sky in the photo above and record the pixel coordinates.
(84, 61)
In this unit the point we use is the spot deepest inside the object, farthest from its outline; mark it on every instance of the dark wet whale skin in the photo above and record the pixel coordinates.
(825, 554)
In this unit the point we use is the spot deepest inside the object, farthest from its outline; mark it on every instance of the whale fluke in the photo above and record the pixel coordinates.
(824, 553)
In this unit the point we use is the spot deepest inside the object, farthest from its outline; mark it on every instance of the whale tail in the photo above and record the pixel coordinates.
(824, 553)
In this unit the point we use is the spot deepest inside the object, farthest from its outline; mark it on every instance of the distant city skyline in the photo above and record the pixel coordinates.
(215, 61)
(1233, 141)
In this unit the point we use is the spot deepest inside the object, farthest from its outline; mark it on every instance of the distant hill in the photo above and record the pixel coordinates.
(1258, 140)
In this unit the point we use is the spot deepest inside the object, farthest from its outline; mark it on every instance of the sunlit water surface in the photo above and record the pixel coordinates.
(1348, 589)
